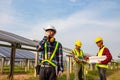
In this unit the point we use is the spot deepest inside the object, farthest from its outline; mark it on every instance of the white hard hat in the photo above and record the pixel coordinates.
(50, 27)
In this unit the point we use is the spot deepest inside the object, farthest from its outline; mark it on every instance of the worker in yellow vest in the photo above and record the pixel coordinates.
(103, 51)
(78, 56)
(50, 56)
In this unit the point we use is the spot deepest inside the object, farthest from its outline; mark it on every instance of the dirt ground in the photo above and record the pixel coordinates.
(114, 76)
(17, 77)
(27, 77)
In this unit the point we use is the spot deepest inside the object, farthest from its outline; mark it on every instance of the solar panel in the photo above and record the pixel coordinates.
(20, 54)
(26, 53)
(13, 38)
(4, 52)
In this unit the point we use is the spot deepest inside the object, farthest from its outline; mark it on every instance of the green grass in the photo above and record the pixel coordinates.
(91, 75)
(17, 69)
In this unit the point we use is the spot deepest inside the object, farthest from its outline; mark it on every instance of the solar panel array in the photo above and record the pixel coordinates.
(20, 54)
(13, 38)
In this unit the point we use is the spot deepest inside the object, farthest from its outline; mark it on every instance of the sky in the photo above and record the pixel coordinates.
(82, 20)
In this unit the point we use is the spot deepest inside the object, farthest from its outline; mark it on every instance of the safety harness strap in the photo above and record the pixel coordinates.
(53, 54)
(45, 46)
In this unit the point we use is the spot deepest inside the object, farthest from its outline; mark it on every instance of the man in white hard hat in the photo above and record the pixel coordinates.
(51, 55)
(103, 51)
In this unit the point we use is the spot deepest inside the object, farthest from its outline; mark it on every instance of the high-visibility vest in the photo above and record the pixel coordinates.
(53, 54)
(78, 54)
(100, 54)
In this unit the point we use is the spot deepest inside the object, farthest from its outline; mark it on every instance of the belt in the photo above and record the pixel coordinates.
(46, 65)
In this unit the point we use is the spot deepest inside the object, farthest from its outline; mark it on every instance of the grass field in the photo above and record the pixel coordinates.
(93, 75)
(20, 74)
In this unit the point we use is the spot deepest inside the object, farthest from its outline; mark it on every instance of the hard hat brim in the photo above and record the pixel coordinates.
(50, 29)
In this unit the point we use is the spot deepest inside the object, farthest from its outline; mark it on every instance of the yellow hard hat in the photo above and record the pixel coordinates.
(98, 39)
(78, 43)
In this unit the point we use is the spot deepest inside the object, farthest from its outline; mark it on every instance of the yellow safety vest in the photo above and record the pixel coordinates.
(53, 54)
(78, 54)
(100, 54)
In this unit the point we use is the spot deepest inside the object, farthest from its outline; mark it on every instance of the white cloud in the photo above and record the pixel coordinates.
(6, 12)
(84, 24)
(73, 0)
(80, 19)
(6, 2)
(6, 18)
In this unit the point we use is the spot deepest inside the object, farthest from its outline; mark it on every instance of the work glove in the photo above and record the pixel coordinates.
(59, 73)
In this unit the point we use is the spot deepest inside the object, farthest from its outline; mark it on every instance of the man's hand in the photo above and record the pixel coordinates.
(47, 34)
(59, 73)
(76, 59)
(99, 61)
(38, 47)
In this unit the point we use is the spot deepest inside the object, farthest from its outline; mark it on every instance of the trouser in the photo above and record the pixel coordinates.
(47, 73)
(102, 73)
(78, 71)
